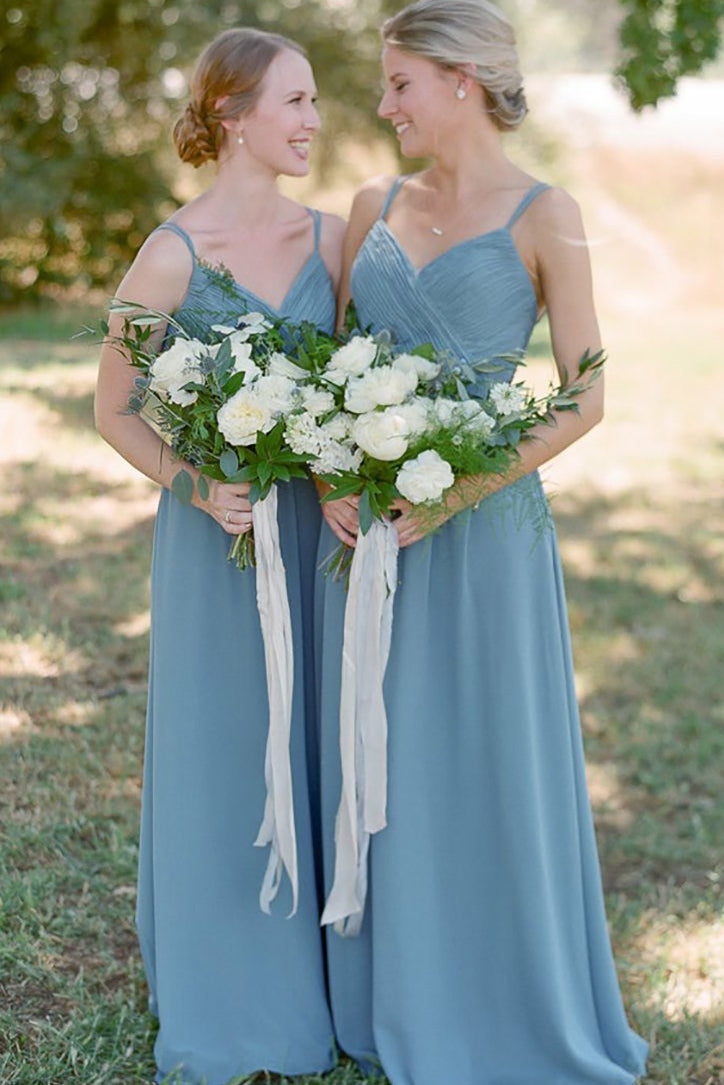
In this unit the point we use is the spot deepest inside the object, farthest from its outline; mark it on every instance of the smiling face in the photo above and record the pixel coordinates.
(419, 100)
(279, 129)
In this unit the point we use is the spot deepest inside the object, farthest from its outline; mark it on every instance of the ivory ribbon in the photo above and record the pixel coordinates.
(363, 722)
(277, 827)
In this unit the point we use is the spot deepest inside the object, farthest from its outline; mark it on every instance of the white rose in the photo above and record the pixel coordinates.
(304, 435)
(175, 367)
(352, 359)
(243, 416)
(425, 369)
(507, 398)
(281, 366)
(381, 387)
(425, 478)
(278, 392)
(382, 434)
(317, 401)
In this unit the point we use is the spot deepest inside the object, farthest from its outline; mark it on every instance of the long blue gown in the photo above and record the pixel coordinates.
(235, 990)
(484, 957)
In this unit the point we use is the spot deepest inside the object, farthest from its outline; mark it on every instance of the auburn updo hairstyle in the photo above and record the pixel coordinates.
(226, 83)
(458, 33)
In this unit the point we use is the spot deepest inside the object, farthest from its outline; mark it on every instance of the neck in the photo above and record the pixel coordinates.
(245, 192)
(470, 160)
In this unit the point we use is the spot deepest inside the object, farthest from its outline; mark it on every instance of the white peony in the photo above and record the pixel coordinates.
(507, 398)
(384, 386)
(382, 434)
(417, 413)
(278, 392)
(425, 478)
(244, 415)
(352, 359)
(426, 370)
(317, 401)
(281, 366)
(175, 367)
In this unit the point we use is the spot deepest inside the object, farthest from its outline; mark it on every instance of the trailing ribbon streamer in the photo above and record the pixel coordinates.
(277, 827)
(363, 722)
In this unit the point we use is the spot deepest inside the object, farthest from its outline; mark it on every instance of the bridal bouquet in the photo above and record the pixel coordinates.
(223, 403)
(398, 425)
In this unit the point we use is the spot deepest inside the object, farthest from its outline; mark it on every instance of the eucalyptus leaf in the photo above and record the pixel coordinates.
(182, 486)
(202, 486)
(229, 462)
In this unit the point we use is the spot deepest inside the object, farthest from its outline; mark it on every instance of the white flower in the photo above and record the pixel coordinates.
(241, 353)
(384, 386)
(281, 366)
(417, 413)
(481, 424)
(317, 401)
(445, 410)
(336, 456)
(304, 435)
(352, 359)
(425, 369)
(252, 324)
(278, 392)
(507, 398)
(339, 428)
(244, 415)
(425, 478)
(382, 434)
(175, 367)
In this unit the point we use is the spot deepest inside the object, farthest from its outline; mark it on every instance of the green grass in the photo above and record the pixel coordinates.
(644, 563)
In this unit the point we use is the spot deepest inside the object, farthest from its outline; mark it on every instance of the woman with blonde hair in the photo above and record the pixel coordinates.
(236, 991)
(483, 956)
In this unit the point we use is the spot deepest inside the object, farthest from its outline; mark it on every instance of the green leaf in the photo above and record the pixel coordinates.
(203, 487)
(264, 471)
(282, 473)
(229, 462)
(232, 386)
(182, 486)
(254, 492)
(364, 511)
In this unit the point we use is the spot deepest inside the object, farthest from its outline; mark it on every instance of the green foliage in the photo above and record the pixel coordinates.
(663, 40)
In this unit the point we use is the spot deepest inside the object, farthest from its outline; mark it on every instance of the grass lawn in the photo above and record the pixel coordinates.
(640, 511)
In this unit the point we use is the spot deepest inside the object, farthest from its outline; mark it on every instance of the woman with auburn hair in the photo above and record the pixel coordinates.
(236, 991)
(483, 956)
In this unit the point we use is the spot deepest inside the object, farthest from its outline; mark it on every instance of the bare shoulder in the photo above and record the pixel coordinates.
(159, 276)
(555, 210)
(370, 197)
(333, 229)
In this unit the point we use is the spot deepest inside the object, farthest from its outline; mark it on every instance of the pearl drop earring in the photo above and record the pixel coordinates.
(461, 93)
(240, 138)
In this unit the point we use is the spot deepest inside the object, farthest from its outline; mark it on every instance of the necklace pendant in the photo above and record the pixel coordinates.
(436, 230)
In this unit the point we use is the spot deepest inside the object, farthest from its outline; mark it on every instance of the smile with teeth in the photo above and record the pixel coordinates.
(301, 146)
(402, 127)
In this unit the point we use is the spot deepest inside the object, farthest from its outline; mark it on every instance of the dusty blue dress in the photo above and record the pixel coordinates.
(484, 957)
(235, 990)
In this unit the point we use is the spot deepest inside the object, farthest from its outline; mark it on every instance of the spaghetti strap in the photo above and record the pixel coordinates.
(317, 220)
(530, 195)
(180, 232)
(394, 188)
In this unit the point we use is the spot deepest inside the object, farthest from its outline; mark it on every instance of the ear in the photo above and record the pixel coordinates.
(466, 76)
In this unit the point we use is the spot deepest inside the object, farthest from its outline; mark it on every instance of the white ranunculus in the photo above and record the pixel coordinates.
(382, 434)
(317, 401)
(352, 359)
(425, 369)
(417, 413)
(280, 365)
(507, 398)
(425, 478)
(175, 367)
(384, 386)
(244, 415)
(278, 392)
(304, 435)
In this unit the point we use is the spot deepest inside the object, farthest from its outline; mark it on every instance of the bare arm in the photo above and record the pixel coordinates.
(565, 273)
(158, 279)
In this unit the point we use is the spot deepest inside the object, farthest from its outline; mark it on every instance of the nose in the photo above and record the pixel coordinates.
(312, 120)
(386, 108)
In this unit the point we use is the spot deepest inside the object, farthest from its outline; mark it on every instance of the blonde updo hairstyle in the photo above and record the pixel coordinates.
(229, 72)
(459, 33)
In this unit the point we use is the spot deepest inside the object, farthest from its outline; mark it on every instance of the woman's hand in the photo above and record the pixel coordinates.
(341, 515)
(414, 522)
(228, 503)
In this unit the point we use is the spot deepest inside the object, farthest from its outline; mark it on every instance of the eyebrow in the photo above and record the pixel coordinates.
(290, 92)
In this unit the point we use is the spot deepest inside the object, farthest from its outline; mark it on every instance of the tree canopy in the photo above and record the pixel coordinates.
(88, 92)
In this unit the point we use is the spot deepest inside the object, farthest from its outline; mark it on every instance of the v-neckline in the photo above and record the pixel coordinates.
(278, 309)
(446, 252)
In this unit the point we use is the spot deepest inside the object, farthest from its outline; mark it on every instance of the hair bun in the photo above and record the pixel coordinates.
(196, 140)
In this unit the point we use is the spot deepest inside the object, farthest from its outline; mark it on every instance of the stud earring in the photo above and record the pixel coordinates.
(461, 93)
(240, 138)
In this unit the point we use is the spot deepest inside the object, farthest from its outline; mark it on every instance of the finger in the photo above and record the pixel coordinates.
(341, 533)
